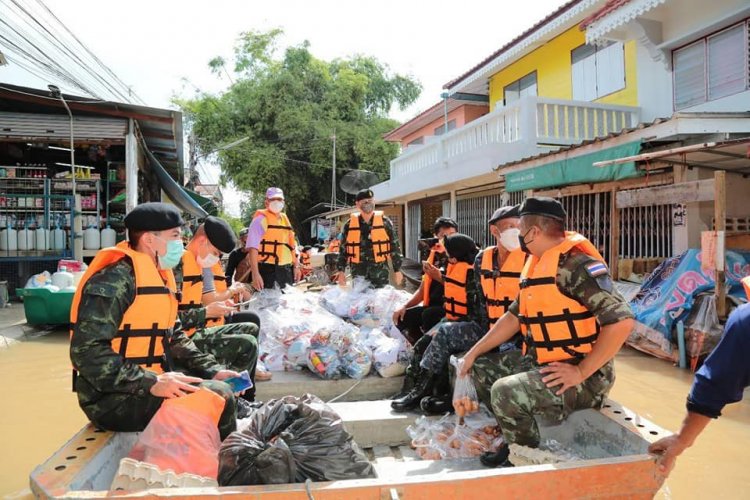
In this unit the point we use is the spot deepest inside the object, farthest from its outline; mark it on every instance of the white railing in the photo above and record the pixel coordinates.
(537, 121)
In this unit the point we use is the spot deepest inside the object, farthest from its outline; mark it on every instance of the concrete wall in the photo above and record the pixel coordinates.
(462, 115)
(654, 87)
(552, 63)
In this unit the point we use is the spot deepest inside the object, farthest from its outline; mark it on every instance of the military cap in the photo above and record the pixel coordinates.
(153, 216)
(219, 233)
(504, 213)
(364, 194)
(546, 207)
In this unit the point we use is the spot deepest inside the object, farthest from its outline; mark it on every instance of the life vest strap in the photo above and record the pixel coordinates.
(448, 279)
(506, 302)
(529, 282)
(276, 226)
(187, 307)
(499, 274)
(566, 317)
(152, 290)
(193, 279)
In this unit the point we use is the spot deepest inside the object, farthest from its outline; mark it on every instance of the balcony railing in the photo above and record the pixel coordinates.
(537, 122)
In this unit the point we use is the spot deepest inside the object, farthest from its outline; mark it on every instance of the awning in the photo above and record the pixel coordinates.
(176, 193)
(577, 170)
(205, 203)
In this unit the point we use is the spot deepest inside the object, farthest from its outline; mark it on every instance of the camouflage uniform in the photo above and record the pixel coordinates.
(234, 345)
(377, 274)
(510, 382)
(114, 394)
(452, 337)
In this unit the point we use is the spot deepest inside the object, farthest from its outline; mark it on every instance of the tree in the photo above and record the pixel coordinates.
(290, 107)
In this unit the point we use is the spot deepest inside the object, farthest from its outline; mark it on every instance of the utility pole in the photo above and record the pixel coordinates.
(333, 177)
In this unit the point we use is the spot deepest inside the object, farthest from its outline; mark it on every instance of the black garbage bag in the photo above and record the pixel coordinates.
(290, 440)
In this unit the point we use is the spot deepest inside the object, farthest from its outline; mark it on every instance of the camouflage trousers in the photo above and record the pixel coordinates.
(510, 383)
(379, 275)
(451, 337)
(132, 412)
(233, 345)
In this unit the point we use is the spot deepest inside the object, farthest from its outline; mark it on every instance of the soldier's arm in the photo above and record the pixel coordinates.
(478, 278)
(474, 299)
(396, 257)
(184, 350)
(593, 287)
(341, 261)
(104, 299)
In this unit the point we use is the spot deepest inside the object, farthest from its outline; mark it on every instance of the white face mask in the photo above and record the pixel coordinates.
(509, 239)
(208, 261)
(276, 206)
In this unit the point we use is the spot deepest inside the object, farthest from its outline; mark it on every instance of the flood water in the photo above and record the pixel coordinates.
(38, 413)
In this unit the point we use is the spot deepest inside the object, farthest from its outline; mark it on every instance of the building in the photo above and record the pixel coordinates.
(595, 103)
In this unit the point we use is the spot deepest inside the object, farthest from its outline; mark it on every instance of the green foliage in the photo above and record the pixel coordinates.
(290, 107)
(235, 222)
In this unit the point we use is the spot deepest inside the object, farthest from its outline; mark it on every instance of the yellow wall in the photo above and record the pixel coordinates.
(554, 75)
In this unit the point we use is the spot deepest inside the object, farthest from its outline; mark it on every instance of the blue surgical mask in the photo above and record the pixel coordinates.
(173, 255)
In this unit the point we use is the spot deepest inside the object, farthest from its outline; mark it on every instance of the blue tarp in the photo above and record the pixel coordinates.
(668, 294)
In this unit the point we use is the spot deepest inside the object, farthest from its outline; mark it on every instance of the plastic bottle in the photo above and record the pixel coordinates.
(91, 238)
(8, 239)
(58, 237)
(109, 237)
(42, 236)
(26, 238)
(62, 278)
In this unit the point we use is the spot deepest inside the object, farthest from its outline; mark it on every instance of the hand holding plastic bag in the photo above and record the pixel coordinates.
(465, 399)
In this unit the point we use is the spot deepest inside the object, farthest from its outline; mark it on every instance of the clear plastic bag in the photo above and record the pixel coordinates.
(290, 440)
(183, 436)
(445, 439)
(465, 399)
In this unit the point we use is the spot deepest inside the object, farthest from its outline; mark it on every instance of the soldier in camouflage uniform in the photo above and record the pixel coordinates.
(114, 392)
(574, 323)
(234, 344)
(365, 263)
(450, 336)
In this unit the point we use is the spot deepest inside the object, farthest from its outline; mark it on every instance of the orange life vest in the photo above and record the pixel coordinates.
(557, 326)
(426, 279)
(746, 284)
(381, 242)
(500, 288)
(334, 245)
(192, 288)
(277, 245)
(456, 298)
(149, 320)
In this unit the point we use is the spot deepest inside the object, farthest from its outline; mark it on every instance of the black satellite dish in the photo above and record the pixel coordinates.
(356, 180)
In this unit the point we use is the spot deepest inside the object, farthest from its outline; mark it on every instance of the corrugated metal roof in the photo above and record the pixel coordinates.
(161, 128)
(31, 126)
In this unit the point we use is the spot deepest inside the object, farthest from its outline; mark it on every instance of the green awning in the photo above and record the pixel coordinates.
(577, 170)
(205, 203)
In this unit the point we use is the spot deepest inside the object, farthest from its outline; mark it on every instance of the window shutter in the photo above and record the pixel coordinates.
(689, 75)
(726, 62)
(610, 69)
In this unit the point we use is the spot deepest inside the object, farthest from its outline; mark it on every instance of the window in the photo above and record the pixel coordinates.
(441, 129)
(520, 88)
(597, 70)
(711, 68)
(415, 142)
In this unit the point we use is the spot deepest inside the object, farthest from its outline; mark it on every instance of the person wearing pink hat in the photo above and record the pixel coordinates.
(271, 244)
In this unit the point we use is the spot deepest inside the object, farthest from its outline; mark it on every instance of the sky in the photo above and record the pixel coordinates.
(156, 46)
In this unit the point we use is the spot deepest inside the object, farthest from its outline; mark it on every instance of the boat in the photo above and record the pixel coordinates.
(613, 442)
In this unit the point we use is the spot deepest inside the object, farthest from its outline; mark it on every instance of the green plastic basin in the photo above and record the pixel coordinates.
(44, 307)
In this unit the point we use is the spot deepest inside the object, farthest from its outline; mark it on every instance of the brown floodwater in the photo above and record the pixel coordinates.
(38, 413)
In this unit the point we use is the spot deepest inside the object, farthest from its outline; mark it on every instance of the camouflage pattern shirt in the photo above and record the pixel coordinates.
(367, 255)
(105, 298)
(597, 294)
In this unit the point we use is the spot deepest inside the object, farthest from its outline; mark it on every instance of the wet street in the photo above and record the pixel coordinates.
(39, 413)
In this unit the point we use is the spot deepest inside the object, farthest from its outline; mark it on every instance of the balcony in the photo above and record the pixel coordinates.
(530, 126)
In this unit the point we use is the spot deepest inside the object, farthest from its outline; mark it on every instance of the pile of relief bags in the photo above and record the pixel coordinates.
(341, 332)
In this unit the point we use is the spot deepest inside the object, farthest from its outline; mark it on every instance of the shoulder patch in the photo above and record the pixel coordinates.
(596, 268)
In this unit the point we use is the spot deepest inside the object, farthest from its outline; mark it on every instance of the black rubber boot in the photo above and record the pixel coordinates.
(497, 458)
(406, 387)
(422, 387)
(436, 405)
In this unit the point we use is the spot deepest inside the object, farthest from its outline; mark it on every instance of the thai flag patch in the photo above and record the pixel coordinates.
(596, 269)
